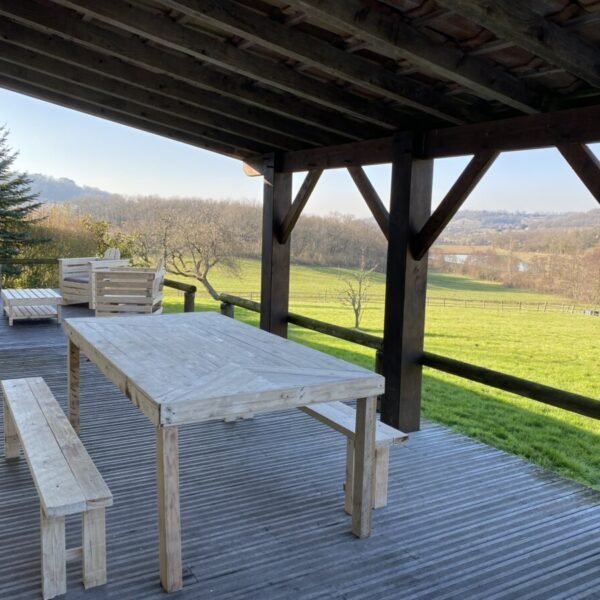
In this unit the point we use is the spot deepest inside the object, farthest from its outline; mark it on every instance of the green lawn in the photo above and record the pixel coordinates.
(558, 349)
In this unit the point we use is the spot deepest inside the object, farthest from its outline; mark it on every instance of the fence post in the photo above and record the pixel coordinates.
(189, 301)
(227, 310)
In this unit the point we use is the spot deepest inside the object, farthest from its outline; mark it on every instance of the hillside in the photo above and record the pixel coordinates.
(52, 189)
(479, 227)
(466, 222)
(474, 227)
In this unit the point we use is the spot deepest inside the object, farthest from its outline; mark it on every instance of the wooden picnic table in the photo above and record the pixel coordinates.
(192, 367)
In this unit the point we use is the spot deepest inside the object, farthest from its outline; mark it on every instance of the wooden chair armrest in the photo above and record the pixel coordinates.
(105, 264)
(75, 261)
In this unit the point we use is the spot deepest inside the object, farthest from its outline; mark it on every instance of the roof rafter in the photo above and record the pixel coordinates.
(101, 99)
(394, 38)
(238, 20)
(171, 34)
(515, 21)
(120, 89)
(69, 27)
(117, 117)
(164, 85)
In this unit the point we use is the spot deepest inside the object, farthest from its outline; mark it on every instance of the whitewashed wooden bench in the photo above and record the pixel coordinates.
(342, 418)
(66, 479)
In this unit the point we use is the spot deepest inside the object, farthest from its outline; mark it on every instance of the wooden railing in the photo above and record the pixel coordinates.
(569, 401)
(509, 383)
(189, 291)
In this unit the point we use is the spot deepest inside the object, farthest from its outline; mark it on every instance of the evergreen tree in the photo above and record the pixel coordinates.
(17, 202)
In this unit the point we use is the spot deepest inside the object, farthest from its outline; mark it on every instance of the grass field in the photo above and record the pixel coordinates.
(558, 349)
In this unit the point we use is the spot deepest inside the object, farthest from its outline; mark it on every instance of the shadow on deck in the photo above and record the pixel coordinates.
(262, 512)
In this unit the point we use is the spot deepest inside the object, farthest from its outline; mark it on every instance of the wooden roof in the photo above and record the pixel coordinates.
(248, 77)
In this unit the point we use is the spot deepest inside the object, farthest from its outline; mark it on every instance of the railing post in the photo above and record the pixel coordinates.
(189, 301)
(227, 310)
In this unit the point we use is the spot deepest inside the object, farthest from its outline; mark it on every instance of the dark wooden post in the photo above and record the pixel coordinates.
(275, 274)
(189, 300)
(406, 282)
(227, 310)
(379, 370)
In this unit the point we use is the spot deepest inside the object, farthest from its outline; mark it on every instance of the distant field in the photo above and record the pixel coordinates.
(558, 349)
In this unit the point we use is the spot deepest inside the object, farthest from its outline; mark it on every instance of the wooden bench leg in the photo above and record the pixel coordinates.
(73, 384)
(169, 526)
(12, 446)
(348, 485)
(94, 548)
(364, 459)
(380, 476)
(54, 561)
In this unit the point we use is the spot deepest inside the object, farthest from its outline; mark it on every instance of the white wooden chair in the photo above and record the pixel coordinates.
(129, 291)
(76, 275)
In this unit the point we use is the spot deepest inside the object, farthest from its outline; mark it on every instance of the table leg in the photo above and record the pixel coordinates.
(169, 526)
(364, 463)
(73, 384)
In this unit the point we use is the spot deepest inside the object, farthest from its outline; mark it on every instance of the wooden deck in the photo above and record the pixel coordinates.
(262, 508)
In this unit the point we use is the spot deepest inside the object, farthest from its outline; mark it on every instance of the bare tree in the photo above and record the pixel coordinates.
(156, 230)
(355, 289)
(201, 238)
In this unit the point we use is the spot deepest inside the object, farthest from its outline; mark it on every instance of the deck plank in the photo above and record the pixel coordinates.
(262, 508)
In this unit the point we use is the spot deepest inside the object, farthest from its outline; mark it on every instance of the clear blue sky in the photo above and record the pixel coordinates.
(64, 143)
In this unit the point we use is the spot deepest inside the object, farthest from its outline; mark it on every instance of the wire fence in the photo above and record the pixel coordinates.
(512, 305)
(444, 302)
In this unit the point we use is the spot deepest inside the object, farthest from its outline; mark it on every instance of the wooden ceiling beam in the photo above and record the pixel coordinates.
(158, 83)
(168, 33)
(585, 163)
(34, 91)
(453, 200)
(581, 125)
(395, 38)
(372, 199)
(104, 100)
(45, 65)
(69, 27)
(238, 20)
(577, 125)
(516, 21)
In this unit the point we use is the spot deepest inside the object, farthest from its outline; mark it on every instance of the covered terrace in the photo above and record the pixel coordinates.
(291, 86)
